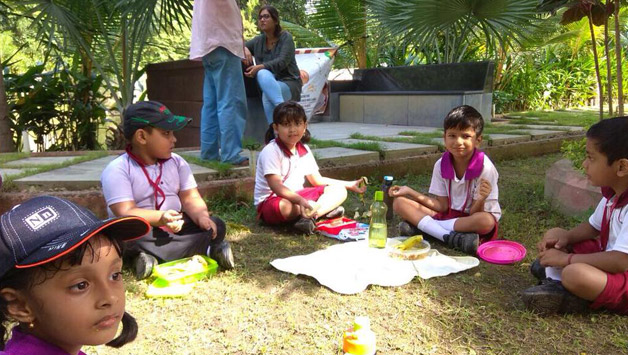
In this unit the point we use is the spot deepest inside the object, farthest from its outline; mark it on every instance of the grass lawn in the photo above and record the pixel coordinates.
(570, 117)
(256, 309)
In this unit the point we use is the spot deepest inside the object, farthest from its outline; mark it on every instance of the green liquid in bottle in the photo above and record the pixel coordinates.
(378, 234)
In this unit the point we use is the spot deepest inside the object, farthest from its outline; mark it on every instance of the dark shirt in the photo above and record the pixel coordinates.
(280, 60)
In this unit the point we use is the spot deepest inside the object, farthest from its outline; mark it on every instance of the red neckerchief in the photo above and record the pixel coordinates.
(154, 184)
(620, 201)
(474, 170)
(301, 150)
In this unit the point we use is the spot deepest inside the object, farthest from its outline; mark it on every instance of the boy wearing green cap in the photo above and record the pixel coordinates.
(152, 182)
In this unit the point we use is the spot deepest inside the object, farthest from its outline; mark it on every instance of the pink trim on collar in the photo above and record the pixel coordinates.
(474, 170)
(301, 150)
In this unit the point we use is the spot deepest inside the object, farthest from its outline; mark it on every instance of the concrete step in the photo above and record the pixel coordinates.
(334, 156)
(85, 176)
(38, 161)
(394, 150)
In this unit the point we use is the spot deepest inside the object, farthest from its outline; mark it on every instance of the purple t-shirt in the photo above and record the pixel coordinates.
(26, 344)
(123, 180)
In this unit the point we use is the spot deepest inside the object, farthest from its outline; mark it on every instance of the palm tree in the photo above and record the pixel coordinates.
(596, 14)
(448, 28)
(108, 36)
(6, 136)
(345, 22)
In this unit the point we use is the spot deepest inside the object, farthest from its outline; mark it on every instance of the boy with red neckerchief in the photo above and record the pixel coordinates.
(587, 266)
(152, 182)
(464, 209)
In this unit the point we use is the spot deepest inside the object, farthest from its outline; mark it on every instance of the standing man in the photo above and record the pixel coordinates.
(217, 41)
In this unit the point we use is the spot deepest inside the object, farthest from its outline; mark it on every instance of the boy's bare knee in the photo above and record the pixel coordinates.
(575, 276)
(486, 223)
(399, 202)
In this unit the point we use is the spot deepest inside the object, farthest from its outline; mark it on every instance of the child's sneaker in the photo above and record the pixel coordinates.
(537, 270)
(551, 297)
(143, 265)
(223, 255)
(335, 213)
(407, 229)
(305, 225)
(463, 241)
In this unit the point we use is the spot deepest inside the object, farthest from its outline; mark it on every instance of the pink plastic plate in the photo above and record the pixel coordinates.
(501, 252)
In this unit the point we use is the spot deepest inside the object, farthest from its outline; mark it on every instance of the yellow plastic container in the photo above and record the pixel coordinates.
(359, 339)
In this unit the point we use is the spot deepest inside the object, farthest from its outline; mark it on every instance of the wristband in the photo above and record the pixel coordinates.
(569, 259)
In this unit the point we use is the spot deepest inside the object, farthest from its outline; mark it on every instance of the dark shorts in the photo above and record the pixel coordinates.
(451, 214)
(614, 297)
(166, 246)
(268, 211)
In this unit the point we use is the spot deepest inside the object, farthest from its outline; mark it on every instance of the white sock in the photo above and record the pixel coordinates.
(553, 272)
(428, 225)
(447, 224)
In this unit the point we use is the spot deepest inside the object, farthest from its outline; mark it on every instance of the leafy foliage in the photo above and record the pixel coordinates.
(61, 105)
(575, 151)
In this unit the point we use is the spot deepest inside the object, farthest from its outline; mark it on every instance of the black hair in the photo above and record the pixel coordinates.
(274, 14)
(610, 138)
(25, 279)
(287, 112)
(463, 117)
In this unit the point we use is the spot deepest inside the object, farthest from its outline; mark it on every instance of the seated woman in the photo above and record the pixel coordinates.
(271, 61)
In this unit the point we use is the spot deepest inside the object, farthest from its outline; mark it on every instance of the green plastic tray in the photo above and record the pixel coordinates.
(184, 271)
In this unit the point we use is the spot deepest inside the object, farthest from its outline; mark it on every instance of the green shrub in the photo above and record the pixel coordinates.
(575, 150)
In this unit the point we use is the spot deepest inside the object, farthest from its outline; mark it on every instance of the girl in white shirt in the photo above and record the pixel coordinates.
(282, 168)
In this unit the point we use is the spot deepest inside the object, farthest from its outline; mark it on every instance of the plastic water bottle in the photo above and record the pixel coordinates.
(359, 339)
(388, 182)
(378, 232)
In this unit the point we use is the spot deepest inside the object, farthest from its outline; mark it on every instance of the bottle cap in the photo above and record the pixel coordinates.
(361, 322)
(379, 195)
(388, 178)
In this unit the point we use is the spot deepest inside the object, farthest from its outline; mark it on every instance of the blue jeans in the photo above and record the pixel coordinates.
(224, 107)
(274, 92)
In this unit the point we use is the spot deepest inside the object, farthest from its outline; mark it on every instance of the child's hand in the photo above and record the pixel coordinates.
(170, 216)
(357, 186)
(206, 223)
(175, 226)
(307, 210)
(555, 238)
(554, 257)
(398, 191)
(484, 189)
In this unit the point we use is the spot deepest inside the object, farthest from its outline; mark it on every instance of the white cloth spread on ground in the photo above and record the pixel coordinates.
(349, 268)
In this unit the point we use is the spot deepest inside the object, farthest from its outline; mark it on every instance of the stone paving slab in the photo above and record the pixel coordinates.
(537, 134)
(86, 175)
(394, 150)
(556, 128)
(34, 161)
(501, 139)
(340, 156)
(7, 172)
(343, 130)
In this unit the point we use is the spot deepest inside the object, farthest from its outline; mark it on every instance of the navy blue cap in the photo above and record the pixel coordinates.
(151, 113)
(45, 228)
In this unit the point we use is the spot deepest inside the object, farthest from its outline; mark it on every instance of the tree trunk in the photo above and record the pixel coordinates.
(597, 66)
(609, 75)
(620, 83)
(6, 135)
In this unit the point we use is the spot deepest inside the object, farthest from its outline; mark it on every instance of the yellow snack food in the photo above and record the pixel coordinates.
(410, 242)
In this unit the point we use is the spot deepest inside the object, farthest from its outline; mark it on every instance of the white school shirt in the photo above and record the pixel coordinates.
(439, 187)
(123, 180)
(618, 230)
(293, 170)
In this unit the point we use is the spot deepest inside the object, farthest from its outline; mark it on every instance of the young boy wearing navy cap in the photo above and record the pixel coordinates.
(152, 182)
